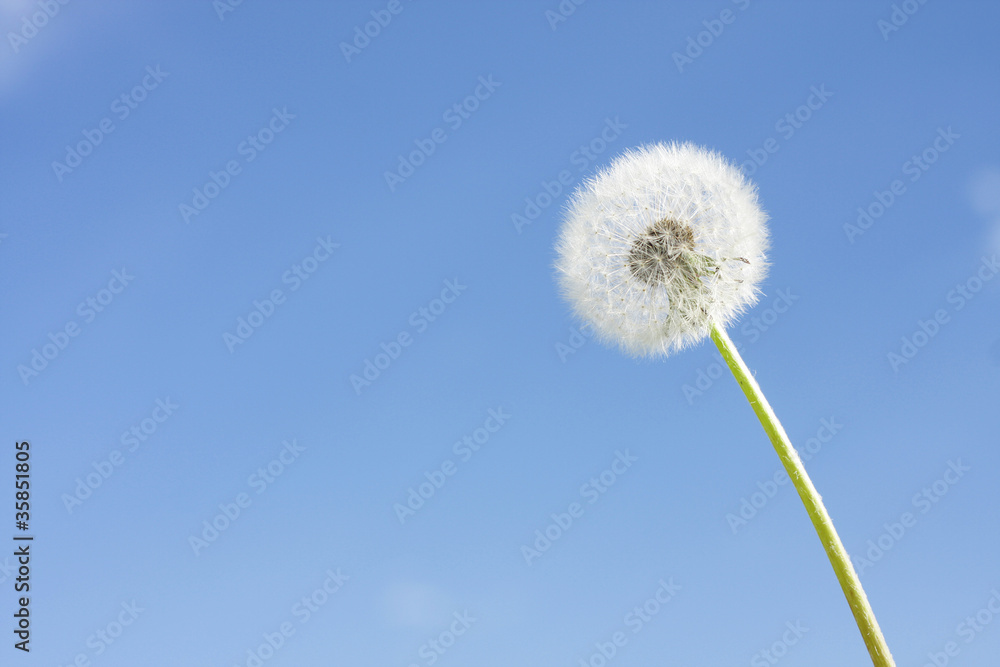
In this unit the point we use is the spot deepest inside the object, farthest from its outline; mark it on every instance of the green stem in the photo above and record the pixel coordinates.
(848, 578)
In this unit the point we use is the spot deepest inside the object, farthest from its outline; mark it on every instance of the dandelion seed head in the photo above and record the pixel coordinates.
(662, 243)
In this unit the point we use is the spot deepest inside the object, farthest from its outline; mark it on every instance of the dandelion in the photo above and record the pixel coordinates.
(666, 247)
(666, 241)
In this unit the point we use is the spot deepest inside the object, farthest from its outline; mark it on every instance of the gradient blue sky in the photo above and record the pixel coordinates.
(554, 87)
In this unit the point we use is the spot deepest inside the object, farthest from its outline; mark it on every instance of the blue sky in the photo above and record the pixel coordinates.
(214, 215)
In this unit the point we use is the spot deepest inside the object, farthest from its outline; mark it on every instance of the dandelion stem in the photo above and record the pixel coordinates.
(848, 578)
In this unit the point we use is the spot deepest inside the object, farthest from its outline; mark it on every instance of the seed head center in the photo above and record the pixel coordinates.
(663, 251)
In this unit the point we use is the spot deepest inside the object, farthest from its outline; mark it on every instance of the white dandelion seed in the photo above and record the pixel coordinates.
(667, 246)
(661, 244)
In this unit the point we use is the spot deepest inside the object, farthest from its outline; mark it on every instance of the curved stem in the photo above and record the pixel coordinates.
(848, 578)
